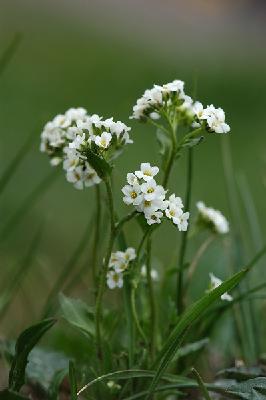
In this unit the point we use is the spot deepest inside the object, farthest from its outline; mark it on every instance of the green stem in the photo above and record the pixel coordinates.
(135, 315)
(183, 246)
(172, 154)
(201, 384)
(96, 234)
(151, 300)
(104, 270)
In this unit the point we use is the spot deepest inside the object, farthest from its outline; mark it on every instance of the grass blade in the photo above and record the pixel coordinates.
(27, 204)
(202, 387)
(9, 52)
(72, 381)
(74, 258)
(14, 164)
(20, 274)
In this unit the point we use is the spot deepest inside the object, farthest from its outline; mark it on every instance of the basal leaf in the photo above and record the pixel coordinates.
(252, 389)
(78, 314)
(26, 341)
(193, 313)
(10, 395)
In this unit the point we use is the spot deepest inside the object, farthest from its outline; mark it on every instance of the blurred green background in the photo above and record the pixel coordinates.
(102, 55)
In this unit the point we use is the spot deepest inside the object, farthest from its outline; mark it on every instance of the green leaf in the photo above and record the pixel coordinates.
(194, 312)
(101, 166)
(10, 395)
(202, 387)
(78, 314)
(252, 389)
(133, 373)
(56, 383)
(9, 52)
(19, 275)
(27, 205)
(165, 145)
(191, 348)
(241, 373)
(26, 341)
(14, 164)
(72, 381)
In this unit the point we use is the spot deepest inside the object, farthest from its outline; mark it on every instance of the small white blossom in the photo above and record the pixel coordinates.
(146, 172)
(154, 273)
(213, 217)
(120, 260)
(173, 212)
(132, 194)
(183, 222)
(132, 179)
(152, 191)
(103, 140)
(114, 279)
(76, 177)
(215, 282)
(154, 218)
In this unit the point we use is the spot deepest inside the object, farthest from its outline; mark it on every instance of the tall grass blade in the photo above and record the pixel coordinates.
(27, 204)
(14, 164)
(72, 381)
(9, 52)
(202, 387)
(20, 274)
(64, 275)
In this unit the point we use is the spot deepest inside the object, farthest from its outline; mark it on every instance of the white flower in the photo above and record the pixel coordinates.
(154, 115)
(76, 176)
(103, 140)
(151, 191)
(130, 254)
(96, 120)
(61, 121)
(150, 206)
(114, 279)
(183, 222)
(132, 194)
(90, 176)
(175, 201)
(55, 161)
(78, 141)
(146, 171)
(175, 86)
(215, 282)
(214, 217)
(132, 179)
(154, 273)
(173, 212)
(154, 218)
(72, 159)
(76, 113)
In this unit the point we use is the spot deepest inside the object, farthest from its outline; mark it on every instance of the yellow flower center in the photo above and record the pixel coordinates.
(148, 173)
(115, 278)
(172, 213)
(133, 195)
(150, 190)
(147, 203)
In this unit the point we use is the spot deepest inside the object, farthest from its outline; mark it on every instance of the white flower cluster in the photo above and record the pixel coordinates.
(68, 136)
(147, 197)
(159, 100)
(118, 264)
(214, 118)
(153, 100)
(215, 282)
(213, 218)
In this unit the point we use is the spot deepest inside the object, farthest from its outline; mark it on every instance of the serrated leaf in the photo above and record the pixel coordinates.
(195, 311)
(101, 166)
(10, 395)
(78, 314)
(26, 341)
(72, 381)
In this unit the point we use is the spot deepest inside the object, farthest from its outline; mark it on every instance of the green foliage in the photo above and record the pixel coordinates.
(72, 381)
(252, 389)
(101, 166)
(10, 395)
(25, 343)
(9, 52)
(78, 314)
(194, 312)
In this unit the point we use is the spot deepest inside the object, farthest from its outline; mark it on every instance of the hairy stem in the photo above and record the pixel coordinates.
(151, 301)
(183, 246)
(172, 154)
